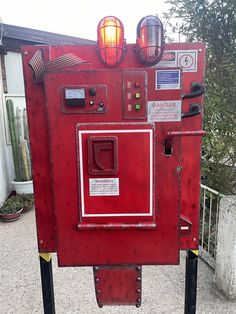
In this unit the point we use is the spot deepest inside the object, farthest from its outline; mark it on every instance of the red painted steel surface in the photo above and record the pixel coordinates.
(118, 285)
(39, 143)
(97, 247)
(116, 199)
(177, 176)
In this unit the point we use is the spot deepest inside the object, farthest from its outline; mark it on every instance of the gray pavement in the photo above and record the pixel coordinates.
(20, 289)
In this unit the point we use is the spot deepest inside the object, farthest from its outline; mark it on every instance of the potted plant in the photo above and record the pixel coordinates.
(18, 128)
(11, 209)
(27, 201)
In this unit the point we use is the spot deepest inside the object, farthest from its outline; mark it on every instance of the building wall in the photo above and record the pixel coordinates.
(14, 73)
(5, 186)
(14, 89)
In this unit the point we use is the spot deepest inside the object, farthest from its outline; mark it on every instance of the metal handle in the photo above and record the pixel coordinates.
(197, 90)
(171, 134)
(194, 109)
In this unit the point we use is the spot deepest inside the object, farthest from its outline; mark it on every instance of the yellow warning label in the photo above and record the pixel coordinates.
(46, 256)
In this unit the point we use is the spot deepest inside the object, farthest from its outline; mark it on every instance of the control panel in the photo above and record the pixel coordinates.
(84, 99)
(134, 94)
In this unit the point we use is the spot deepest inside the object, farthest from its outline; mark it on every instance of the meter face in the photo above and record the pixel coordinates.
(78, 93)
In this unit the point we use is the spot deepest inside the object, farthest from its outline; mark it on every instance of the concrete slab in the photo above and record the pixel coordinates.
(20, 289)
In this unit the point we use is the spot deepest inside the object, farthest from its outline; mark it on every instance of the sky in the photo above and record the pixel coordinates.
(78, 18)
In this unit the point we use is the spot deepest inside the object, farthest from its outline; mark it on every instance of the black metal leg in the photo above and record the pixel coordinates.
(191, 282)
(47, 283)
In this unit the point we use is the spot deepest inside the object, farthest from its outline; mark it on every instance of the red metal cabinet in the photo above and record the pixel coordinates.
(110, 175)
(89, 124)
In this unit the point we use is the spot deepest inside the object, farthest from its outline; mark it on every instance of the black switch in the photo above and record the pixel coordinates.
(92, 91)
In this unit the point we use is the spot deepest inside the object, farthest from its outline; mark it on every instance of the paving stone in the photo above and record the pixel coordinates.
(20, 289)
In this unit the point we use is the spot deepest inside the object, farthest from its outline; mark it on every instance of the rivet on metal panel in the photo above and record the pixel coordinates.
(138, 304)
(97, 279)
(138, 268)
(138, 278)
(25, 53)
(100, 304)
(96, 268)
(178, 169)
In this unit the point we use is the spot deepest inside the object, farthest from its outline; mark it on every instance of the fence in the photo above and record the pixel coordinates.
(209, 214)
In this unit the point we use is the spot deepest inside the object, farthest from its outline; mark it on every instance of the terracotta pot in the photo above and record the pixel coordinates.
(11, 217)
(27, 209)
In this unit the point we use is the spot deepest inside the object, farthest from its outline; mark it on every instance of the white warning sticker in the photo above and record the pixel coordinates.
(104, 186)
(164, 111)
(186, 59)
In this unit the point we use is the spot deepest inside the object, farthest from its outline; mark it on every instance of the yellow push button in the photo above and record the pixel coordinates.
(137, 95)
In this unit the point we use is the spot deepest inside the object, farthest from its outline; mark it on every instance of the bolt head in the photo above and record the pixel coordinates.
(100, 304)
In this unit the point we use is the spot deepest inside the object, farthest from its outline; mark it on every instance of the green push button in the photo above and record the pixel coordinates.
(137, 106)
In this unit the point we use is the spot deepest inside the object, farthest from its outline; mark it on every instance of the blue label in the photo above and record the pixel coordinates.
(169, 79)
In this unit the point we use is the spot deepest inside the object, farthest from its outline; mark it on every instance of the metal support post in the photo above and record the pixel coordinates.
(191, 282)
(47, 283)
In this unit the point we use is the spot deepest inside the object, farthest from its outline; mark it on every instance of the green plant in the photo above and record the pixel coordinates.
(214, 22)
(20, 142)
(26, 200)
(10, 206)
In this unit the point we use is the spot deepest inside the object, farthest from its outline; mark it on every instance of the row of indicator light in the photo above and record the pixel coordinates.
(135, 107)
(136, 84)
(135, 96)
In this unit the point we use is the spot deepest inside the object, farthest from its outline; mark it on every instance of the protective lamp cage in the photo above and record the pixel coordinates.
(150, 40)
(110, 40)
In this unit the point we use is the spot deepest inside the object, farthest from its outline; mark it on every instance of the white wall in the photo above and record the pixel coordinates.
(15, 88)
(225, 270)
(5, 186)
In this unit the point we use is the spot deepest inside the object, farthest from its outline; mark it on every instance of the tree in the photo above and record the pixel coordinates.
(214, 22)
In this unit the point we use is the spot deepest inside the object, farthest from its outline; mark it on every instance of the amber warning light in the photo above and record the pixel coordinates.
(110, 40)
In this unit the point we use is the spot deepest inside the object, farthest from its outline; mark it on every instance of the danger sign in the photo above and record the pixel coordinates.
(164, 111)
(186, 59)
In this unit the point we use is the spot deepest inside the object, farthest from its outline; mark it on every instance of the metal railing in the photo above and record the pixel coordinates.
(209, 216)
